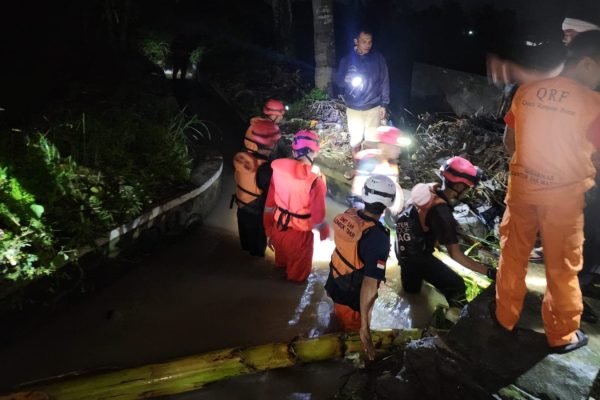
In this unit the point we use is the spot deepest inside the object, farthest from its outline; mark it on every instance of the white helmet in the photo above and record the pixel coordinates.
(379, 189)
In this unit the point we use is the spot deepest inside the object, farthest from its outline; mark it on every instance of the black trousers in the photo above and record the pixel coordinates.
(252, 231)
(415, 270)
(591, 231)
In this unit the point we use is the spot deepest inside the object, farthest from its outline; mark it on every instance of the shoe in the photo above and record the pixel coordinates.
(492, 309)
(537, 254)
(582, 340)
(589, 315)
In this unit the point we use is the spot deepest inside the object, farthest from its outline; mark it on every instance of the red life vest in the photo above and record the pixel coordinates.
(293, 181)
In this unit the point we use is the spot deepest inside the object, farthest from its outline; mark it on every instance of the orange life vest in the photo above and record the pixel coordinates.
(246, 164)
(293, 181)
(345, 275)
(348, 228)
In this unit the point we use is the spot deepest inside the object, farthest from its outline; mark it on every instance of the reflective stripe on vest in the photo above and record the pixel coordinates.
(246, 165)
(292, 181)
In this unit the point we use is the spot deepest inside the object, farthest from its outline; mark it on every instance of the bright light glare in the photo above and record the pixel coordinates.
(356, 81)
(322, 251)
(471, 33)
(287, 108)
(404, 141)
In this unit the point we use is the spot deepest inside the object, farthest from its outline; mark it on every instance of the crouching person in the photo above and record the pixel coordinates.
(362, 247)
(428, 220)
(295, 206)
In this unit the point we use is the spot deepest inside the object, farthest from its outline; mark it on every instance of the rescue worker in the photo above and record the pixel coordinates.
(362, 247)
(428, 220)
(382, 160)
(363, 77)
(259, 141)
(274, 110)
(295, 206)
(502, 71)
(551, 131)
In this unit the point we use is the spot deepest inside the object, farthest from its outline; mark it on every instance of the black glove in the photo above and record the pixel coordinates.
(491, 273)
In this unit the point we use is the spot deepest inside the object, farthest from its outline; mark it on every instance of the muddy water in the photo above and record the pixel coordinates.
(198, 294)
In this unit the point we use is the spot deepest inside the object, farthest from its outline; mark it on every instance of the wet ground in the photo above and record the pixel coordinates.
(198, 293)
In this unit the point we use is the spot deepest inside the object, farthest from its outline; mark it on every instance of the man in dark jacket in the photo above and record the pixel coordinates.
(363, 78)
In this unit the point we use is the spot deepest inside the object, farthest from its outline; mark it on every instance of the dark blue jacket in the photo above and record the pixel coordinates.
(375, 87)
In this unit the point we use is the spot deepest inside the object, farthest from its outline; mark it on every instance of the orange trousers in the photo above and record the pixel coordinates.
(348, 318)
(561, 229)
(293, 251)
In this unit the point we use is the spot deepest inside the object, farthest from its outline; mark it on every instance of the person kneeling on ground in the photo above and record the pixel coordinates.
(428, 219)
(362, 246)
(295, 206)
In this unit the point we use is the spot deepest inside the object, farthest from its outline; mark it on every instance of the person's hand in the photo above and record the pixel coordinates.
(324, 231)
(382, 112)
(367, 342)
(270, 244)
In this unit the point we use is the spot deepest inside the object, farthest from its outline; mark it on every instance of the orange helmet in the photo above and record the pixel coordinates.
(274, 107)
(262, 133)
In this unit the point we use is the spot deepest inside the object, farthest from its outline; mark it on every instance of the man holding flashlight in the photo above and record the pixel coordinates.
(364, 81)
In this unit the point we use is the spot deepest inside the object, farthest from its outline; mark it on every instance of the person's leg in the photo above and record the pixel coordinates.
(518, 231)
(410, 275)
(562, 238)
(356, 130)
(372, 122)
(348, 319)
(243, 231)
(278, 241)
(591, 245)
(444, 279)
(254, 233)
(298, 246)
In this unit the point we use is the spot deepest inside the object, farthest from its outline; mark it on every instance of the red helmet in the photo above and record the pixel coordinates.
(274, 107)
(262, 133)
(389, 135)
(306, 140)
(460, 170)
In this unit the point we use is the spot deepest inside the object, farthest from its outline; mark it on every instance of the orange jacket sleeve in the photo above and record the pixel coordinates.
(317, 201)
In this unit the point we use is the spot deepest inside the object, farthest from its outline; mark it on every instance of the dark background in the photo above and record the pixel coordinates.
(47, 44)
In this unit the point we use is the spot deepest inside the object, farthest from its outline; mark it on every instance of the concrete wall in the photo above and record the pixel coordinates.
(436, 89)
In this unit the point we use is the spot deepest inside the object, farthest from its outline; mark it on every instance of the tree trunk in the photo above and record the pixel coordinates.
(324, 43)
(192, 373)
(282, 23)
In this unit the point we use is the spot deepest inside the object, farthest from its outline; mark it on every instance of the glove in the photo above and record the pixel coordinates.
(491, 273)
(323, 231)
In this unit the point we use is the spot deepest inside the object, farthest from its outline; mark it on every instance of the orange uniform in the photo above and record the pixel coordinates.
(297, 200)
(557, 125)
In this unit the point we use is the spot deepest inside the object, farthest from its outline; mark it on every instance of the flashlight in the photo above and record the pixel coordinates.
(356, 81)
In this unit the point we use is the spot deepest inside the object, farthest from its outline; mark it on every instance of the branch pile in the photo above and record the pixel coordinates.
(479, 140)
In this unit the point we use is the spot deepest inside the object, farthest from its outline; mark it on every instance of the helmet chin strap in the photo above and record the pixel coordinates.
(305, 155)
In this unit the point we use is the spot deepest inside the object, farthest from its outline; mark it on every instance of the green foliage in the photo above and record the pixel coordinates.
(196, 55)
(156, 50)
(297, 108)
(85, 176)
(27, 246)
